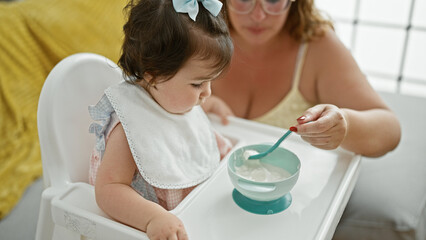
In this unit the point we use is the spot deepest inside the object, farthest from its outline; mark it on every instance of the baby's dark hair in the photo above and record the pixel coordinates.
(159, 41)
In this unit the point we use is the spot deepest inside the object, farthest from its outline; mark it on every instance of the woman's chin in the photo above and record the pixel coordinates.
(257, 39)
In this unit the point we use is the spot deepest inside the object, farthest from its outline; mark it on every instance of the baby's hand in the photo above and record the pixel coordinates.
(223, 143)
(166, 226)
(323, 126)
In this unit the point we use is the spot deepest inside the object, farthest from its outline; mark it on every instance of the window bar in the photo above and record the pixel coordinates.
(405, 47)
(355, 22)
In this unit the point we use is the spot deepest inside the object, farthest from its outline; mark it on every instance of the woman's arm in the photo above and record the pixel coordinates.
(328, 127)
(353, 115)
(115, 196)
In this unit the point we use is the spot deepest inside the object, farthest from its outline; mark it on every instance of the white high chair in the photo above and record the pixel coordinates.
(68, 209)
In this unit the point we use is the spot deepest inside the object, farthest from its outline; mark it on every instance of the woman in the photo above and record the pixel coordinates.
(290, 70)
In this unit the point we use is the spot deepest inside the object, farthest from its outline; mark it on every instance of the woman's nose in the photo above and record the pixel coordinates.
(258, 14)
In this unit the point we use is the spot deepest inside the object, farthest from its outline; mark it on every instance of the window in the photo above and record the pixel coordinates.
(387, 38)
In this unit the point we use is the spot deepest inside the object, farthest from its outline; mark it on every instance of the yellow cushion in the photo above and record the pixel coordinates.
(35, 35)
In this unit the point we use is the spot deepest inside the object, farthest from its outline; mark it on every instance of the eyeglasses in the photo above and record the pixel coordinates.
(272, 7)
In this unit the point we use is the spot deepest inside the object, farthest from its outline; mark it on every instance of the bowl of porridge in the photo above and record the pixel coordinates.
(266, 179)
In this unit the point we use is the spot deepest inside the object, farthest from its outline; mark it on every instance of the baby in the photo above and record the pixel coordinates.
(154, 143)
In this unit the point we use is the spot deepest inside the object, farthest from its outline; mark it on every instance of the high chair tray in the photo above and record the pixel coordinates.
(326, 181)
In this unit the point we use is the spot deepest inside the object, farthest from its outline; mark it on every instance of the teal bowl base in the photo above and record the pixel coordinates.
(262, 207)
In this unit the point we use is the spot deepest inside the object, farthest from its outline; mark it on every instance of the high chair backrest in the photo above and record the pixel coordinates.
(63, 119)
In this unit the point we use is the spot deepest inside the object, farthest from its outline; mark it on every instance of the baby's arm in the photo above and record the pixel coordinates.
(115, 196)
(223, 143)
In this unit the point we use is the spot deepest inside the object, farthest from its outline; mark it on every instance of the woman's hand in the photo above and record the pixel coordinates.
(166, 226)
(323, 126)
(217, 106)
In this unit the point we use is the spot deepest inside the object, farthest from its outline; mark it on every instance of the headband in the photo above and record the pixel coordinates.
(191, 7)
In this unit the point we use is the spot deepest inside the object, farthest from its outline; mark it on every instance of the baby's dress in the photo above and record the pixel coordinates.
(107, 120)
(167, 198)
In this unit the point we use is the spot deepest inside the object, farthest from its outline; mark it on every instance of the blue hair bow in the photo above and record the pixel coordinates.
(191, 7)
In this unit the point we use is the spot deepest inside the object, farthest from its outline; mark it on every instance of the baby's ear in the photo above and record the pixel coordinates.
(148, 77)
(148, 80)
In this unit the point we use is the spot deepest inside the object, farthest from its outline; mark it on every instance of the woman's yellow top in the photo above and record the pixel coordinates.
(293, 105)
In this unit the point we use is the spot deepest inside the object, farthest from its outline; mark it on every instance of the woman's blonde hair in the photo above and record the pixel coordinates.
(305, 22)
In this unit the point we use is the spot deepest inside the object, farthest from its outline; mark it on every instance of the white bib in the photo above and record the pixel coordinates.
(171, 151)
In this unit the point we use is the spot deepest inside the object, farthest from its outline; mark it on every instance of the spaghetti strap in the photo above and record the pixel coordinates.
(299, 64)
(293, 105)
